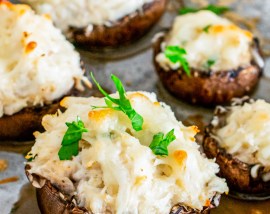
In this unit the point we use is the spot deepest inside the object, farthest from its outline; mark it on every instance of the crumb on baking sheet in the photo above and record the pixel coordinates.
(8, 180)
(3, 165)
(128, 83)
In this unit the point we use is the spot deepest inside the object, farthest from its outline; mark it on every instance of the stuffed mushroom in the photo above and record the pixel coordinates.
(126, 153)
(38, 67)
(206, 59)
(238, 138)
(103, 23)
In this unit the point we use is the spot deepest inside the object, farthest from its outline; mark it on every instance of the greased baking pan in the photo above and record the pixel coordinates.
(133, 64)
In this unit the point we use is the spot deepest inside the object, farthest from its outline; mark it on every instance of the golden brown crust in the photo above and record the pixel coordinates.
(212, 89)
(124, 31)
(236, 172)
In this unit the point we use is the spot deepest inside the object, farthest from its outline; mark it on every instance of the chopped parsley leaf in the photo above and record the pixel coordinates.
(210, 63)
(159, 144)
(121, 104)
(176, 54)
(206, 28)
(70, 141)
(215, 9)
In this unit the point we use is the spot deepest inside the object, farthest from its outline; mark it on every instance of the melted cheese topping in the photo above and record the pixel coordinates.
(37, 64)
(246, 134)
(206, 36)
(86, 13)
(116, 170)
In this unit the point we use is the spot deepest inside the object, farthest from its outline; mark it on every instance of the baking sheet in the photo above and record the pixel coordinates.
(133, 64)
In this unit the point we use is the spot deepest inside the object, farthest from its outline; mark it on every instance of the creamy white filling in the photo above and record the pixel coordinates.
(116, 170)
(246, 134)
(206, 36)
(83, 13)
(37, 64)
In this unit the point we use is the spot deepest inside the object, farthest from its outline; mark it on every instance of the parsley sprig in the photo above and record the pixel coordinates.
(121, 104)
(176, 54)
(215, 9)
(159, 144)
(70, 142)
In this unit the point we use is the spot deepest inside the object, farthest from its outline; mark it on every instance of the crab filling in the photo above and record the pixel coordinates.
(118, 169)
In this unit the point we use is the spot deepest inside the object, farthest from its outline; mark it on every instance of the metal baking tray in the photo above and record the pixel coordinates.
(133, 64)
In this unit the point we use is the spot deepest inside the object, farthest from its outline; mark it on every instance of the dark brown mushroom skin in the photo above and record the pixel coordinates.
(52, 200)
(126, 30)
(236, 172)
(182, 209)
(208, 89)
(21, 125)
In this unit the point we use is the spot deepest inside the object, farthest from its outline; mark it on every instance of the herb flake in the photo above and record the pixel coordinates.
(70, 141)
(215, 9)
(121, 104)
(159, 144)
(210, 63)
(176, 54)
(206, 28)
(30, 157)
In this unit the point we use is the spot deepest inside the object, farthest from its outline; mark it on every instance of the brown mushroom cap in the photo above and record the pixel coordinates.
(126, 30)
(52, 200)
(237, 173)
(208, 89)
(21, 125)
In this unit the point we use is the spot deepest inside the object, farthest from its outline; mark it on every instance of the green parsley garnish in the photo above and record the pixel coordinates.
(159, 144)
(215, 9)
(121, 104)
(70, 142)
(206, 28)
(210, 63)
(176, 54)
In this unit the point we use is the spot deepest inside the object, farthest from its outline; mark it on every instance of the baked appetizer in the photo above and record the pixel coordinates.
(206, 59)
(103, 23)
(37, 67)
(126, 153)
(238, 138)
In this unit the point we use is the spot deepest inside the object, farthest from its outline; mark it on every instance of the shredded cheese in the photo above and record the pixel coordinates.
(246, 133)
(86, 13)
(206, 36)
(115, 170)
(37, 64)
